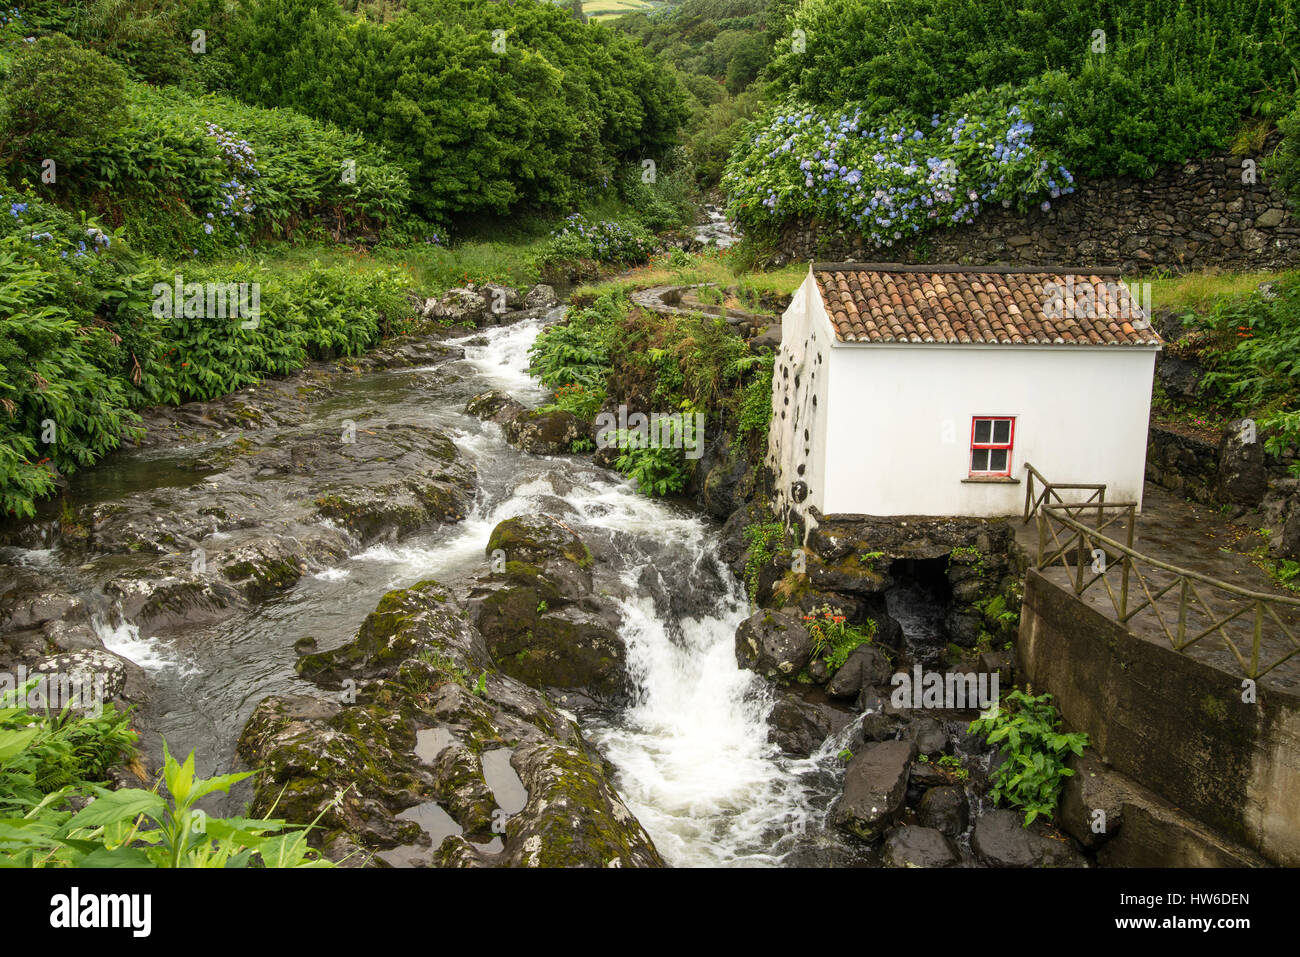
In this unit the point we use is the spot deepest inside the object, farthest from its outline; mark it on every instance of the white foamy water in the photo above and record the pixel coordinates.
(692, 753)
(151, 654)
(503, 362)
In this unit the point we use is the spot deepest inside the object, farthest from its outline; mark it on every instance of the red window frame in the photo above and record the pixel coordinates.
(1009, 445)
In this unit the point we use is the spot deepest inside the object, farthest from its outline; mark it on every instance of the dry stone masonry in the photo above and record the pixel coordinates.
(1192, 215)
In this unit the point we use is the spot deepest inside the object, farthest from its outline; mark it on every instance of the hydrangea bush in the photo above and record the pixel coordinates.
(894, 176)
(604, 242)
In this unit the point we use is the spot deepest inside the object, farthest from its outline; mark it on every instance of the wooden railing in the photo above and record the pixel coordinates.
(1091, 557)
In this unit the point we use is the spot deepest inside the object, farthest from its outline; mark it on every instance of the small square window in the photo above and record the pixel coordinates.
(992, 439)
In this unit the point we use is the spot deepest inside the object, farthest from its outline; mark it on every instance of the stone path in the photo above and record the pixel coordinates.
(1197, 538)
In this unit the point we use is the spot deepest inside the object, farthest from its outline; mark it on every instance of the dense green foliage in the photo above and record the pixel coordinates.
(1251, 347)
(47, 753)
(82, 344)
(719, 48)
(68, 295)
(1163, 79)
(1035, 751)
(1100, 89)
(152, 39)
(58, 99)
(48, 762)
(687, 364)
(184, 173)
(490, 106)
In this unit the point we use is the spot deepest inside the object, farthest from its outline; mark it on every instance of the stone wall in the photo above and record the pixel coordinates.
(1187, 216)
(1184, 464)
(1173, 724)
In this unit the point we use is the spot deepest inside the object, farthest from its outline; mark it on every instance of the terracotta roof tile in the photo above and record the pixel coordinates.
(1006, 306)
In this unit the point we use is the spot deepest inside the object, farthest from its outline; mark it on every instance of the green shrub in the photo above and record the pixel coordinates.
(152, 39)
(833, 637)
(762, 540)
(129, 827)
(43, 754)
(576, 238)
(1251, 347)
(58, 99)
(578, 400)
(755, 408)
(202, 174)
(1034, 750)
(67, 376)
(576, 352)
(657, 469)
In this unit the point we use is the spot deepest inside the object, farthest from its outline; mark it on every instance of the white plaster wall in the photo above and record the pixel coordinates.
(898, 421)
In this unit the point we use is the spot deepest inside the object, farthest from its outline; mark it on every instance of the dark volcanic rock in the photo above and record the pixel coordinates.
(418, 664)
(539, 615)
(773, 644)
(545, 433)
(911, 846)
(494, 406)
(1001, 840)
(945, 809)
(865, 667)
(800, 727)
(874, 787)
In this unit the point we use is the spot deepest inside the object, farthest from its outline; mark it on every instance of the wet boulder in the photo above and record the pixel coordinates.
(460, 307)
(405, 352)
(945, 809)
(573, 817)
(927, 733)
(800, 727)
(541, 296)
(912, 846)
(410, 624)
(773, 643)
(546, 542)
(545, 432)
(724, 476)
(494, 406)
(865, 667)
(1001, 840)
(547, 639)
(385, 482)
(501, 301)
(539, 615)
(875, 785)
(84, 680)
(418, 665)
(172, 595)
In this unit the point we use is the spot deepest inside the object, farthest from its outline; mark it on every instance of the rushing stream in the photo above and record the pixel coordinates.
(691, 751)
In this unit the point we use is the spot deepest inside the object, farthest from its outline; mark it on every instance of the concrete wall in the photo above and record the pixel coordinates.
(1172, 724)
(900, 419)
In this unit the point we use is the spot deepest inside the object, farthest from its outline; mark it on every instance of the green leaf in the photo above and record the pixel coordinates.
(111, 806)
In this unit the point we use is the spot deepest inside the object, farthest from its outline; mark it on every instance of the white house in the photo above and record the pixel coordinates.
(924, 390)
